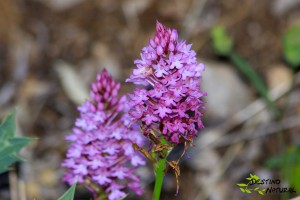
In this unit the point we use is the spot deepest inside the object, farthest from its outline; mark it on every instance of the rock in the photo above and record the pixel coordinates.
(71, 82)
(280, 7)
(202, 160)
(227, 94)
(264, 174)
(105, 58)
(61, 5)
(278, 75)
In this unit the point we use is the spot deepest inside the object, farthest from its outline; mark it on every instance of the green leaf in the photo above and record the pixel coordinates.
(257, 188)
(260, 192)
(7, 161)
(242, 189)
(256, 177)
(13, 145)
(20, 141)
(9, 145)
(248, 191)
(255, 80)
(69, 194)
(291, 46)
(249, 179)
(241, 184)
(7, 127)
(222, 42)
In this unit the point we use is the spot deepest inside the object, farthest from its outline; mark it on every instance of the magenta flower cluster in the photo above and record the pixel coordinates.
(101, 150)
(173, 103)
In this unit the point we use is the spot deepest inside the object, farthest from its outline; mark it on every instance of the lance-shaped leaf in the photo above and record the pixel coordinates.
(223, 45)
(255, 80)
(7, 128)
(69, 194)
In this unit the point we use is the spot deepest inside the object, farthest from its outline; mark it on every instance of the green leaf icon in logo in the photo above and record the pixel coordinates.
(261, 193)
(253, 179)
(248, 191)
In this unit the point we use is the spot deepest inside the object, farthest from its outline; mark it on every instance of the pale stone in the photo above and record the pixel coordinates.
(278, 75)
(227, 93)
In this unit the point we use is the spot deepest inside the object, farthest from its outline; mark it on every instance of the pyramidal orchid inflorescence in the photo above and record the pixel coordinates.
(100, 155)
(172, 106)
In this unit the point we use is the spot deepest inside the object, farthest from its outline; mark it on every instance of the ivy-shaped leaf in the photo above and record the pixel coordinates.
(9, 145)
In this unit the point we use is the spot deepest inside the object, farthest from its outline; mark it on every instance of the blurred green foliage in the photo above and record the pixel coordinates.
(289, 165)
(291, 46)
(255, 80)
(10, 147)
(9, 144)
(222, 42)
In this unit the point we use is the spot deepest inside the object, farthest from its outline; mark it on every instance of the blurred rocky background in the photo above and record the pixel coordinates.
(50, 51)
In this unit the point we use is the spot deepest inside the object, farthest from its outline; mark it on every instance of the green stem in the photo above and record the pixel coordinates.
(160, 174)
(101, 195)
(159, 168)
(98, 193)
